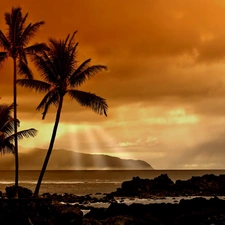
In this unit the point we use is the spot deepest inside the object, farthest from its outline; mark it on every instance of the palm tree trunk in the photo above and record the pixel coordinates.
(50, 147)
(15, 129)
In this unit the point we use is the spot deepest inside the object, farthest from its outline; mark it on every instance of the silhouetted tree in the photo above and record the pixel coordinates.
(14, 43)
(62, 75)
(7, 130)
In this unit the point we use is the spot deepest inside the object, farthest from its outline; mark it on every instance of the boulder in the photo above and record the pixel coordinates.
(22, 192)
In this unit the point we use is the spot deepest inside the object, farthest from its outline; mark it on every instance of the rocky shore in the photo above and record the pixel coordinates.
(206, 185)
(54, 209)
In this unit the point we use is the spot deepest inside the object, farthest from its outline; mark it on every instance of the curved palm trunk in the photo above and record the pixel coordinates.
(15, 129)
(50, 147)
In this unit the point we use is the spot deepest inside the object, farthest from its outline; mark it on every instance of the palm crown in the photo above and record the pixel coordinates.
(16, 39)
(61, 75)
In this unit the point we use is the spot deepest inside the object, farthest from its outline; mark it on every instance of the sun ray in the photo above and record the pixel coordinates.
(95, 146)
(92, 145)
(109, 145)
(75, 145)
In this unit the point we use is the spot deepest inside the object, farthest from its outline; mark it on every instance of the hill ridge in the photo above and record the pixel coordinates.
(62, 159)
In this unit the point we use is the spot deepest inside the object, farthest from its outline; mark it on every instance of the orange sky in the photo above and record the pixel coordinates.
(165, 84)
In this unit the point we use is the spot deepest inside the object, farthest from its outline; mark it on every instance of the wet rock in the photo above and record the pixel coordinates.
(66, 214)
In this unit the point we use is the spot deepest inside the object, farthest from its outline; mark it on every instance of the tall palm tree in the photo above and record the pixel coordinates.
(7, 130)
(62, 75)
(15, 45)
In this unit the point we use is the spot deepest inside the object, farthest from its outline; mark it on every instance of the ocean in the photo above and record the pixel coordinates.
(82, 182)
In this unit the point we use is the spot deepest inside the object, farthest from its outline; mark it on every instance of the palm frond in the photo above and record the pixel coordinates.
(29, 32)
(36, 48)
(6, 109)
(4, 41)
(27, 133)
(6, 120)
(6, 147)
(5, 114)
(8, 126)
(23, 134)
(44, 101)
(67, 38)
(23, 22)
(51, 98)
(52, 101)
(96, 103)
(39, 86)
(45, 66)
(83, 66)
(72, 38)
(73, 53)
(54, 46)
(13, 20)
(24, 69)
(61, 59)
(82, 74)
(3, 57)
(22, 56)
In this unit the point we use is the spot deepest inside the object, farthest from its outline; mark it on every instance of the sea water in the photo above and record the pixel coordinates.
(82, 182)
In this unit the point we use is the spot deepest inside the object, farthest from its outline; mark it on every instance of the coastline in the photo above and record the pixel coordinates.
(86, 181)
(154, 206)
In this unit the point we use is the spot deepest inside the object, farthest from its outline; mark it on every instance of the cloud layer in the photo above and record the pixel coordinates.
(164, 85)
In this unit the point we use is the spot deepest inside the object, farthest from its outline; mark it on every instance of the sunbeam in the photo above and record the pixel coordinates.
(96, 145)
(74, 143)
(109, 145)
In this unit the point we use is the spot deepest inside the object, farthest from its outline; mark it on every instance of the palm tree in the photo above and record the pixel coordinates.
(62, 75)
(7, 130)
(15, 46)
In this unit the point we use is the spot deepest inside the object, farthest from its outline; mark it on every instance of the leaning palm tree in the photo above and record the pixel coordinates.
(15, 45)
(7, 130)
(62, 75)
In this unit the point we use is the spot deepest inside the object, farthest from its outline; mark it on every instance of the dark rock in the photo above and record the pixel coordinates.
(67, 214)
(90, 222)
(96, 213)
(116, 209)
(22, 192)
(122, 220)
(207, 185)
(194, 211)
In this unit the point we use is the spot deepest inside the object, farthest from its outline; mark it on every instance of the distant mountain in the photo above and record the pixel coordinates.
(70, 160)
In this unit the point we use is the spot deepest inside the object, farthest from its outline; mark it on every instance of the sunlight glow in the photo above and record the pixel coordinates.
(44, 134)
(177, 116)
(96, 141)
(74, 143)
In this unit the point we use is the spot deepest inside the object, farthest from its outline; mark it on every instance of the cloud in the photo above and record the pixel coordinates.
(164, 84)
(208, 154)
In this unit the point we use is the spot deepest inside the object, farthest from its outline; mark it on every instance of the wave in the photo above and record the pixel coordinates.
(60, 182)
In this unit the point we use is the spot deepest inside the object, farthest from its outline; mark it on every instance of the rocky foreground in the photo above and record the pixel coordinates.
(48, 208)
